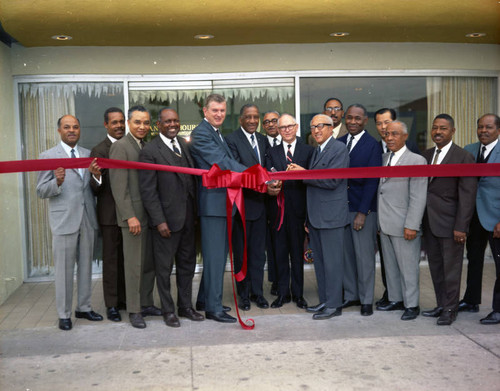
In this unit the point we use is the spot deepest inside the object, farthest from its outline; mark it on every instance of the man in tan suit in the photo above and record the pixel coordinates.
(131, 217)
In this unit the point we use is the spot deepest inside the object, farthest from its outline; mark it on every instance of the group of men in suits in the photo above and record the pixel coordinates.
(147, 217)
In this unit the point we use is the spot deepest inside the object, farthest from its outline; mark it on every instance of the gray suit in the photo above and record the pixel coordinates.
(401, 204)
(327, 217)
(138, 260)
(73, 223)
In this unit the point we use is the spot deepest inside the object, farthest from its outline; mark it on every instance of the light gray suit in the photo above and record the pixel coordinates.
(401, 204)
(137, 252)
(73, 223)
(327, 217)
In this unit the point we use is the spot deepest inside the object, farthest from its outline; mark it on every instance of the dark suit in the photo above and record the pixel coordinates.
(255, 217)
(139, 265)
(450, 205)
(113, 279)
(360, 246)
(73, 223)
(486, 216)
(170, 198)
(289, 240)
(207, 148)
(327, 217)
(271, 258)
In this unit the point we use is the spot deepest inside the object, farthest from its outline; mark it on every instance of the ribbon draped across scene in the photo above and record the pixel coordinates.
(256, 178)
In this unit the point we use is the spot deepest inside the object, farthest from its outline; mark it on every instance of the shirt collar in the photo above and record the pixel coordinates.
(68, 149)
(112, 139)
(322, 146)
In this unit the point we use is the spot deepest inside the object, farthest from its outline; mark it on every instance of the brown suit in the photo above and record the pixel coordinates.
(113, 280)
(139, 265)
(450, 205)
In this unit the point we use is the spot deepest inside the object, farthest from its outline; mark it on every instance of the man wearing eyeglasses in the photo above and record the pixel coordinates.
(327, 217)
(270, 125)
(288, 238)
(335, 110)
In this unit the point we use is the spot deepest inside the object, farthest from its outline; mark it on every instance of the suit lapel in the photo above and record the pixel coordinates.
(449, 155)
(165, 152)
(247, 146)
(185, 151)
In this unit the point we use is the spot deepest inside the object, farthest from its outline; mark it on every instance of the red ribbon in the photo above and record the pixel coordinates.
(254, 178)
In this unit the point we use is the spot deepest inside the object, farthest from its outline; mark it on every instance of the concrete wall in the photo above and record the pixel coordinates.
(11, 254)
(338, 56)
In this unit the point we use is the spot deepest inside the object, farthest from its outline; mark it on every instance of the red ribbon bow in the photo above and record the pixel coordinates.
(253, 178)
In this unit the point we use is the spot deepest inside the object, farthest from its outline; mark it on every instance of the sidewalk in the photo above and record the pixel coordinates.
(287, 350)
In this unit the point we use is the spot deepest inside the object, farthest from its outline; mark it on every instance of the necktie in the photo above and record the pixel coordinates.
(275, 142)
(438, 151)
(481, 157)
(218, 134)
(175, 149)
(79, 170)
(254, 146)
(434, 161)
(142, 143)
(390, 158)
(349, 144)
(289, 155)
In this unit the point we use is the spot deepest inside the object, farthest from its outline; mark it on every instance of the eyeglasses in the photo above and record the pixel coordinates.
(336, 108)
(269, 121)
(319, 126)
(287, 127)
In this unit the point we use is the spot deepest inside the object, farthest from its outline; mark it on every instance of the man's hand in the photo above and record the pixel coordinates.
(459, 236)
(410, 234)
(273, 188)
(60, 173)
(496, 230)
(94, 169)
(294, 167)
(359, 221)
(134, 226)
(164, 230)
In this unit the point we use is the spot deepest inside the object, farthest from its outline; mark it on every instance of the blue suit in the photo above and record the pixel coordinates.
(360, 246)
(486, 216)
(208, 148)
(327, 217)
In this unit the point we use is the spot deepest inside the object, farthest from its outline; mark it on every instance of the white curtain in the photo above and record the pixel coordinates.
(465, 99)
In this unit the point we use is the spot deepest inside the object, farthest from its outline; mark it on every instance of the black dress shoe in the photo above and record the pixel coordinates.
(274, 289)
(391, 306)
(151, 311)
(434, 313)
(201, 307)
(384, 300)
(89, 315)
(136, 320)
(466, 307)
(65, 324)
(220, 317)
(280, 301)
(410, 313)
(316, 308)
(260, 301)
(328, 313)
(447, 318)
(366, 309)
(350, 303)
(171, 320)
(492, 318)
(190, 314)
(300, 301)
(113, 314)
(244, 304)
